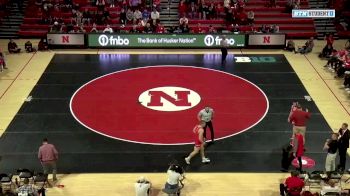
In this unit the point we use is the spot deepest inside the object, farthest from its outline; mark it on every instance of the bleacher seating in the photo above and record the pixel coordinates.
(296, 28)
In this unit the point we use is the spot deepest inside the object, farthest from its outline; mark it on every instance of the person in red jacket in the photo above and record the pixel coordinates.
(299, 119)
(293, 185)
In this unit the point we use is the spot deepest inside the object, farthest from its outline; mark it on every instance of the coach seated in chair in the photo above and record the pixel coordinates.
(293, 185)
(307, 48)
(27, 189)
(143, 187)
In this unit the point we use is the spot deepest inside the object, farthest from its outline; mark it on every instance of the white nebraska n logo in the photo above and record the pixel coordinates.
(169, 98)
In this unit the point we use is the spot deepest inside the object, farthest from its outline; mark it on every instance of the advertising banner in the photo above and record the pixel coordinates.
(163, 40)
(66, 39)
(266, 39)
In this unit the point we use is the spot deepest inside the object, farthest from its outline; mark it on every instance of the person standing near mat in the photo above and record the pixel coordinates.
(224, 46)
(198, 144)
(207, 115)
(48, 156)
(299, 119)
(343, 144)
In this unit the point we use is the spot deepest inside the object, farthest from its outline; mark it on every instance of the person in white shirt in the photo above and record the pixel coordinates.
(108, 29)
(174, 182)
(183, 21)
(142, 187)
(207, 115)
(137, 16)
(155, 16)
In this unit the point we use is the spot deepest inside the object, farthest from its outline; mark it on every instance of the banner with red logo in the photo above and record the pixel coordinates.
(267, 40)
(66, 39)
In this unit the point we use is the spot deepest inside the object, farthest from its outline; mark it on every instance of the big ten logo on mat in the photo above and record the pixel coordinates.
(255, 59)
(169, 98)
(159, 104)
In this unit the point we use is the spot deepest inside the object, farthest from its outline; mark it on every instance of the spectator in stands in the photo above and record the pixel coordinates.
(134, 4)
(230, 17)
(78, 18)
(148, 28)
(201, 3)
(242, 17)
(250, 18)
(184, 29)
(264, 29)
(29, 47)
(137, 16)
(100, 5)
(289, 6)
(143, 187)
(48, 156)
(272, 3)
(275, 29)
(81, 29)
(296, 5)
(134, 29)
(86, 17)
(198, 29)
(331, 146)
(122, 17)
(192, 10)
(293, 185)
(155, 17)
(182, 8)
(2, 62)
(12, 47)
(108, 29)
(70, 28)
(106, 19)
(211, 29)
(235, 28)
(27, 189)
(43, 45)
(160, 29)
(129, 16)
(205, 11)
(94, 28)
(290, 46)
(156, 5)
(56, 28)
(183, 21)
(212, 14)
(307, 48)
(145, 15)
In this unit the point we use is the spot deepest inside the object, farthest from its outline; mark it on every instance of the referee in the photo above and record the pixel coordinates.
(206, 115)
(224, 45)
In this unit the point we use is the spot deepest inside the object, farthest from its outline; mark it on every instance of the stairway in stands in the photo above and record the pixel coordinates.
(169, 12)
(11, 23)
(323, 26)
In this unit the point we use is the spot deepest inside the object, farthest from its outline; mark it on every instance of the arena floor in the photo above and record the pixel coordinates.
(247, 160)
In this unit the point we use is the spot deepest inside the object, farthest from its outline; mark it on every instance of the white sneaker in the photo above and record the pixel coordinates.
(347, 89)
(205, 160)
(187, 159)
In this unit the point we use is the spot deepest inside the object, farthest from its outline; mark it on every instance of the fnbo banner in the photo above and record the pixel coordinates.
(164, 40)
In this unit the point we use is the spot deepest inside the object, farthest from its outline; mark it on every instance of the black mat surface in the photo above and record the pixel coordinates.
(81, 150)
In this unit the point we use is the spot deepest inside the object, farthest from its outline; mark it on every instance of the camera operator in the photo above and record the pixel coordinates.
(143, 187)
(175, 177)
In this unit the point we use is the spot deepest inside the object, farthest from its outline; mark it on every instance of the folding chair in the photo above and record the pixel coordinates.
(41, 179)
(315, 179)
(6, 181)
(23, 174)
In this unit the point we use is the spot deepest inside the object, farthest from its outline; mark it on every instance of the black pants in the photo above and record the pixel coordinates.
(210, 125)
(283, 190)
(223, 55)
(300, 169)
(342, 158)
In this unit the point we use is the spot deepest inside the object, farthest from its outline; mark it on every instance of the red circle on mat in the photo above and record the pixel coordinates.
(110, 105)
(306, 161)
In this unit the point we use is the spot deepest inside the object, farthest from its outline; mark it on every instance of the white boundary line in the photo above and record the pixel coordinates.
(169, 66)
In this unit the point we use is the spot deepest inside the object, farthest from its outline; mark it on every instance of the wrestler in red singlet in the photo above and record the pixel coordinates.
(197, 141)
